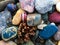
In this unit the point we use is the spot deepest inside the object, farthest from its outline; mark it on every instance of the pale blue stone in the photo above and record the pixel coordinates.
(43, 6)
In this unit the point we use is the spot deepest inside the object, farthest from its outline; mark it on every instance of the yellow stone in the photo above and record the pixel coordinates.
(17, 17)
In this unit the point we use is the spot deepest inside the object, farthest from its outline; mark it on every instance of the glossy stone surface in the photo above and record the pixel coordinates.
(48, 31)
(9, 33)
(58, 43)
(33, 19)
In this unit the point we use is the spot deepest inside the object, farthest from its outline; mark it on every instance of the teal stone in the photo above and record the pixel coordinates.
(53, 9)
(45, 17)
(9, 33)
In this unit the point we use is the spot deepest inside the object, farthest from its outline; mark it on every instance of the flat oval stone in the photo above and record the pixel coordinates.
(55, 17)
(27, 5)
(33, 19)
(48, 31)
(9, 33)
(58, 6)
(43, 6)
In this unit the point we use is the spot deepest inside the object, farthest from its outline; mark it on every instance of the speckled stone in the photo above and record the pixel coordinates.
(9, 33)
(5, 17)
(43, 6)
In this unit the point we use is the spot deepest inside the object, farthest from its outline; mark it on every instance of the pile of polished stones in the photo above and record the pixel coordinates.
(30, 22)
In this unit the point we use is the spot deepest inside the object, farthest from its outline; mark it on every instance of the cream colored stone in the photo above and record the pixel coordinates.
(58, 7)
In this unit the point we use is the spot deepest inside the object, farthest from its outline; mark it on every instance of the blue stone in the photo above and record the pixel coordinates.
(48, 31)
(9, 33)
(11, 7)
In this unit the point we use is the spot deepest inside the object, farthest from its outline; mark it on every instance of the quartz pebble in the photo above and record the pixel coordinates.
(48, 31)
(27, 5)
